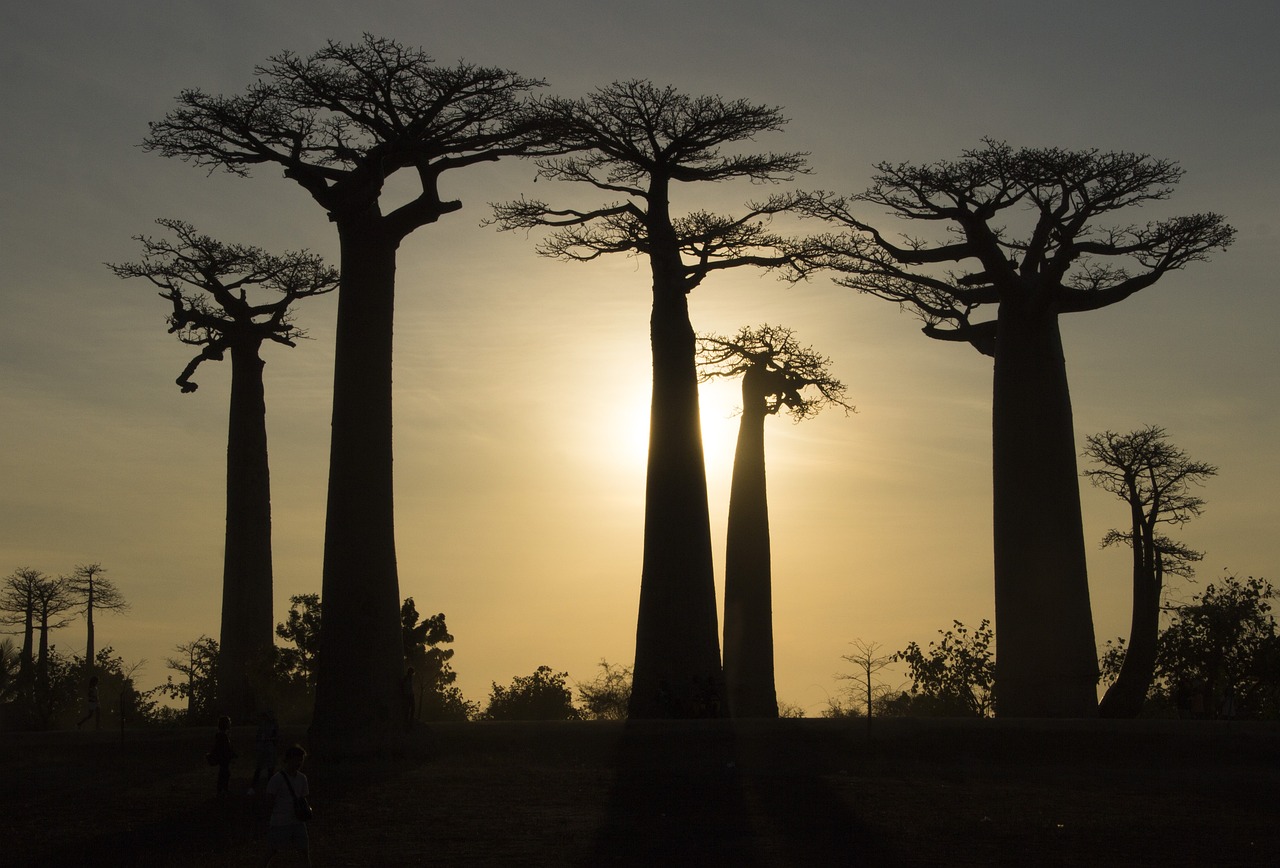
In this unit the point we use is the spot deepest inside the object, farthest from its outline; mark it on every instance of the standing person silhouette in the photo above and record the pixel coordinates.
(286, 830)
(222, 754)
(91, 705)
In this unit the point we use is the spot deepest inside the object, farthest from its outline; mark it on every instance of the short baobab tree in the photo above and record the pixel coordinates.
(636, 142)
(777, 374)
(1158, 482)
(1023, 237)
(230, 299)
(89, 587)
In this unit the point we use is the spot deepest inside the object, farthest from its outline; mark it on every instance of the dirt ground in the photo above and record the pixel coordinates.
(759, 793)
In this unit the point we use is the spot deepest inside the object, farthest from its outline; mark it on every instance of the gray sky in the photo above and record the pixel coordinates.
(521, 384)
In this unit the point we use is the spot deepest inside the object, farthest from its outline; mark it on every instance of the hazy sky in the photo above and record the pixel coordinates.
(522, 384)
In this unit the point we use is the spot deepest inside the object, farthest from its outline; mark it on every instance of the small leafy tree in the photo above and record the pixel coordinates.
(544, 695)
(955, 675)
(1224, 645)
(606, 696)
(197, 662)
(438, 698)
(302, 628)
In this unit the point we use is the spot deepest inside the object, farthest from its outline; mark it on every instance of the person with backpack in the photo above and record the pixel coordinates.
(290, 810)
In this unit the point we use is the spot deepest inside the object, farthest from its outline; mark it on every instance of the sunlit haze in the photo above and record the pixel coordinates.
(522, 384)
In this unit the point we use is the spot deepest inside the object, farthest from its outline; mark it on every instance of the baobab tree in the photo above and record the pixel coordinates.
(231, 299)
(1028, 240)
(1156, 480)
(634, 142)
(777, 373)
(340, 123)
(88, 587)
(19, 602)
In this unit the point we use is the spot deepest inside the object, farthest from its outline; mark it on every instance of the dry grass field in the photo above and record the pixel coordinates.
(776, 793)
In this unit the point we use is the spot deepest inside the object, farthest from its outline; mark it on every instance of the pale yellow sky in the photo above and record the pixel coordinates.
(522, 384)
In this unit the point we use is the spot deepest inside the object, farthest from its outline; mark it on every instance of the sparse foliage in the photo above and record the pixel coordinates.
(791, 376)
(867, 658)
(606, 696)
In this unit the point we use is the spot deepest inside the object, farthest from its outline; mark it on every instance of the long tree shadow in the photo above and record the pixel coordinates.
(712, 792)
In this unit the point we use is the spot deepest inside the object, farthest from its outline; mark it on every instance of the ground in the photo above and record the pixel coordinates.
(758, 793)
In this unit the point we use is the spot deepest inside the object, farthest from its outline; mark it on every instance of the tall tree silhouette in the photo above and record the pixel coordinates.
(341, 122)
(230, 299)
(1026, 238)
(19, 605)
(1155, 479)
(89, 587)
(634, 141)
(777, 373)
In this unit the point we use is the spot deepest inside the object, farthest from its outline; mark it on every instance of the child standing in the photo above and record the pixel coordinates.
(287, 828)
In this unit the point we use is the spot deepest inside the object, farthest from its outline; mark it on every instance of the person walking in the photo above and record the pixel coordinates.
(290, 810)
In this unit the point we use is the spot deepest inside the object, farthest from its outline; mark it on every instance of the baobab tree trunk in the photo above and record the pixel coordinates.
(88, 620)
(677, 666)
(360, 661)
(1126, 696)
(246, 635)
(748, 601)
(1045, 653)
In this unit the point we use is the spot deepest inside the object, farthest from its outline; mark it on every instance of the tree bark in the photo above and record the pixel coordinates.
(1045, 662)
(88, 620)
(360, 659)
(748, 603)
(246, 635)
(1126, 696)
(677, 671)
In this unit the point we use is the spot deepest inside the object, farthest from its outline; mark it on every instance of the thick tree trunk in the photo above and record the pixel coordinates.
(748, 601)
(246, 636)
(360, 661)
(1126, 696)
(1045, 661)
(677, 670)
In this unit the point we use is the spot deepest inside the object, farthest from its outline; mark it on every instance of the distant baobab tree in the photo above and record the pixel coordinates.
(777, 373)
(340, 123)
(1026, 244)
(635, 141)
(87, 586)
(1155, 478)
(232, 298)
